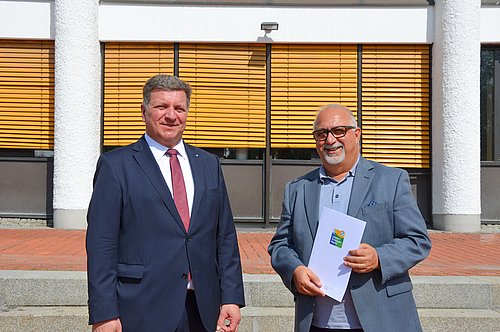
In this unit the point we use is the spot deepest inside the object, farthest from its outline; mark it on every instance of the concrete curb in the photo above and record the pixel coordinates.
(57, 301)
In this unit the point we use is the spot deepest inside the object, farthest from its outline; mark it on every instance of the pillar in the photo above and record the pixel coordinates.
(456, 160)
(77, 114)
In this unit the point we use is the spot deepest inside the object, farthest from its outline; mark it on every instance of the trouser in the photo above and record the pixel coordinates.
(191, 320)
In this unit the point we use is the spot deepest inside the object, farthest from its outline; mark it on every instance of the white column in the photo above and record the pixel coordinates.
(77, 118)
(456, 116)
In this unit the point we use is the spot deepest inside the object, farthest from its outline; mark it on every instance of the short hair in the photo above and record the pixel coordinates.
(335, 106)
(167, 83)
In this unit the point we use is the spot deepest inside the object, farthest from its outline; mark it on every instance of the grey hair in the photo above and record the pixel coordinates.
(165, 82)
(335, 106)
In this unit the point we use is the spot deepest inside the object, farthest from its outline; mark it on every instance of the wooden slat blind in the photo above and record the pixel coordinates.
(127, 66)
(395, 104)
(303, 78)
(27, 94)
(228, 105)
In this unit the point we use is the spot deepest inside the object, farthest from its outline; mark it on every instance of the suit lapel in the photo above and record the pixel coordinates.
(312, 190)
(362, 181)
(145, 159)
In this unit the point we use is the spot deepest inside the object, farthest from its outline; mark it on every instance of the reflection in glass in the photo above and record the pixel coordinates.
(487, 106)
(294, 154)
(237, 153)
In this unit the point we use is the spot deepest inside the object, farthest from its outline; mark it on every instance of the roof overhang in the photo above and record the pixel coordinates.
(308, 3)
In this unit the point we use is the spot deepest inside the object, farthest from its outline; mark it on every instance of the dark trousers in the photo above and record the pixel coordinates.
(319, 329)
(191, 320)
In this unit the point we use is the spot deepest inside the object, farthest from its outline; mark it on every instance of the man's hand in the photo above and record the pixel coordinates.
(112, 325)
(307, 282)
(230, 312)
(362, 260)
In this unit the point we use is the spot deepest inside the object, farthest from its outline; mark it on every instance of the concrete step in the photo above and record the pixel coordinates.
(456, 320)
(44, 319)
(43, 288)
(47, 288)
(56, 301)
(255, 319)
(456, 292)
(433, 320)
(430, 292)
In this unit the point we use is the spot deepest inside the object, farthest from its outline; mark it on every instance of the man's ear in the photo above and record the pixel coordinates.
(143, 110)
(357, 132)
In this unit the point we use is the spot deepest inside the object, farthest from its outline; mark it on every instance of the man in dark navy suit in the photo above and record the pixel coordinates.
(161, 243)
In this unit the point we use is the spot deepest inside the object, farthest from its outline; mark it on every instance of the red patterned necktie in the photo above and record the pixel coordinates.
(179, 188)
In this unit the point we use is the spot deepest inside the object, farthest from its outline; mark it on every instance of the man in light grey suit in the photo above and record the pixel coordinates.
(379, 295)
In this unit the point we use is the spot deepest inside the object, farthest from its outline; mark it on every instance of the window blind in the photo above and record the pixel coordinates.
(27, 94)
(127, 66)
(228, 104)
(395, 104)
(305, 77)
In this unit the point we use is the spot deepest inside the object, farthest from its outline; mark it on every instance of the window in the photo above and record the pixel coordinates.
(391, 83)
(303, 78)
(127, 66)
(490, 112)
(395, 104)
(228, 104)
(27, 94)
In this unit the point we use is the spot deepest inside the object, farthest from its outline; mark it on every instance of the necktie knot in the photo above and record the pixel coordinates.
(172, 152)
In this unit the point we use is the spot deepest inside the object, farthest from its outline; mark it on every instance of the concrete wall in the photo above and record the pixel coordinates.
(242, 24)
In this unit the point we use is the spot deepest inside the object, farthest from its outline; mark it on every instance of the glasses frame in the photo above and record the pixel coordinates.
(330, 131)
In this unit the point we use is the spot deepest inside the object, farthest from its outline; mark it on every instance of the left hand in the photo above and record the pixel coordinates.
(362, 260)
(231, 312)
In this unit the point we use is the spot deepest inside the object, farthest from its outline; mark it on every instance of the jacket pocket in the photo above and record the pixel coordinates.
(374, 208)
(398, 285)
(130, 271)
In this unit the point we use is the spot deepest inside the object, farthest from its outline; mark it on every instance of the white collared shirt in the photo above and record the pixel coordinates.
(163, 160)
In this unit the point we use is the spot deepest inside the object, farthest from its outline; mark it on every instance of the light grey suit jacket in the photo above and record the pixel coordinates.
(382, 197)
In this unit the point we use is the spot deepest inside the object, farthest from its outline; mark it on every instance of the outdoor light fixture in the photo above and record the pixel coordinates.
(269, 26)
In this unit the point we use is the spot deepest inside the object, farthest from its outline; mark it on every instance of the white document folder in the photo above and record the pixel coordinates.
(337, 234)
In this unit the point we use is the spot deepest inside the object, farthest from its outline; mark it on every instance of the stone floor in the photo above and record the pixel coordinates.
(43, 248)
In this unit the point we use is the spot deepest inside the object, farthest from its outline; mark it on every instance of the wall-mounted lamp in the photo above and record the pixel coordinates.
(269, 26)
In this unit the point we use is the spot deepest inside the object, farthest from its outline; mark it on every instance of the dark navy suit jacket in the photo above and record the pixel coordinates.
(139, 253)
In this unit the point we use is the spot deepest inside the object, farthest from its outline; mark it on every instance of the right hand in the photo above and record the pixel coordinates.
(307, 282)
(112, 325)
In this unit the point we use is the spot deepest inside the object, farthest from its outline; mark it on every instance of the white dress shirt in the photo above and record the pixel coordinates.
(163, 160)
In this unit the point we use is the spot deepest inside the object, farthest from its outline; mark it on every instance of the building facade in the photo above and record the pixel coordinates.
(421, 77)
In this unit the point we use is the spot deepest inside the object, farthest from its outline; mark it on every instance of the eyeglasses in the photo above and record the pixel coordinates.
(337, 132)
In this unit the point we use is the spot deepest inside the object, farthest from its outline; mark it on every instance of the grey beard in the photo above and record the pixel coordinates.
(334, 160)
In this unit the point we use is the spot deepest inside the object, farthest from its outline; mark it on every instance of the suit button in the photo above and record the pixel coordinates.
(184, 276)
(188, 239)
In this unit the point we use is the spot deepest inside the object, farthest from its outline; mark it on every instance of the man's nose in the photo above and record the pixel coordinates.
(330, 139)
(169, 113)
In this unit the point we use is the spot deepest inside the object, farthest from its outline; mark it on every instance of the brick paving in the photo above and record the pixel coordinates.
(453, 254)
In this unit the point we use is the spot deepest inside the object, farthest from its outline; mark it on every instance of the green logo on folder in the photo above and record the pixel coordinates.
(337, 238)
